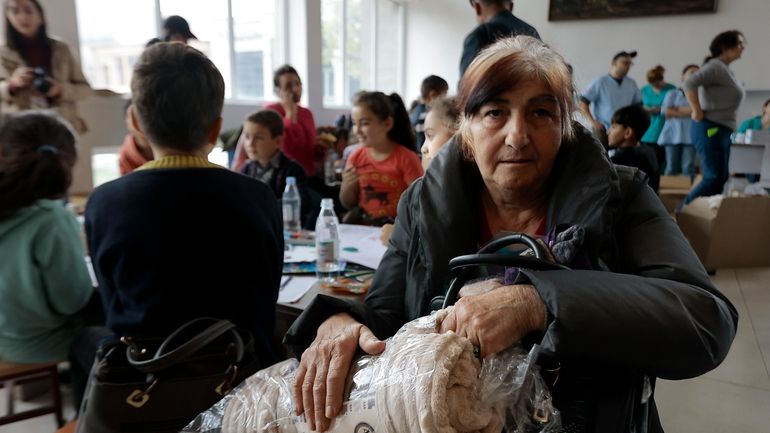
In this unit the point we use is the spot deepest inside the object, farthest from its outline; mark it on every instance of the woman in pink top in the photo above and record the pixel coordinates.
(378, 172)
(299, 134)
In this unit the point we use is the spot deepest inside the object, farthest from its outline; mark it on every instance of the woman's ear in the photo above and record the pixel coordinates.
(389, 122)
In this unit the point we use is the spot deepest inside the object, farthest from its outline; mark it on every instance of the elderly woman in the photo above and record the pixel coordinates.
(638, 304)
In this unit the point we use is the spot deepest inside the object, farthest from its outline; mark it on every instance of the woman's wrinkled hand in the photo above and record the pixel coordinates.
(495, 320)
(480, 287)
(323, 369)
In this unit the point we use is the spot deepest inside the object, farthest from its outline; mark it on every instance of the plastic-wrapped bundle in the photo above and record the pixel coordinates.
(423, 381)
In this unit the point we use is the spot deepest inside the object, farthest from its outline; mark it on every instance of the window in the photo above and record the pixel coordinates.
(239, 36)
(360, 48)
(109, 47)
(341, 50)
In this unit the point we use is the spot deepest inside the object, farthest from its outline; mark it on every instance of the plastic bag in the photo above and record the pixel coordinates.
(423, 381)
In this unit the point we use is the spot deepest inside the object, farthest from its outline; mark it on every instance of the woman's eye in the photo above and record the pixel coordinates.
(542, 112)
(493, 113)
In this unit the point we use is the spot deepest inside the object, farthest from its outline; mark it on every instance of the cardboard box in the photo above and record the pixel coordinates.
(733, 234)
(673, 190)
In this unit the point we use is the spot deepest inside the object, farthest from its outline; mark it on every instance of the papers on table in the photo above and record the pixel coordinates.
(299, 253)
(361, 244)
(358, 244)
(293, 288)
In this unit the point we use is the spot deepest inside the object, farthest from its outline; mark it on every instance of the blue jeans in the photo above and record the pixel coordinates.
(680, 159)
(714, 154)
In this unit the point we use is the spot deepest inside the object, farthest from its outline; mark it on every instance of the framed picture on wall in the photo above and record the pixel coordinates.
(562, 10)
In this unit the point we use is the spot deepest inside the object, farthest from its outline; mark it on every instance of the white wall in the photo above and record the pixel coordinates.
(434, 32)
(436, 29)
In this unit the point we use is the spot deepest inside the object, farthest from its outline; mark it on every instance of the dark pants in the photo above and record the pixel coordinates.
(712, 143)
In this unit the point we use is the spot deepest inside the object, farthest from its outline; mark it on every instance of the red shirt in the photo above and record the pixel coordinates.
(380, 183)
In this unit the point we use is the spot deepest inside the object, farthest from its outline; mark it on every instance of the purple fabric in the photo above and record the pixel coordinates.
(566, 246)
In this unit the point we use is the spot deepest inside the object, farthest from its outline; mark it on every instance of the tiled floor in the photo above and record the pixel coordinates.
(734, 398)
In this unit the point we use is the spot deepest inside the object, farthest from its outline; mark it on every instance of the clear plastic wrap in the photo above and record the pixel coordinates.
(423, 381)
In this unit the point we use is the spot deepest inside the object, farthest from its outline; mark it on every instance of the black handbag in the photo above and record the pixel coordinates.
(159, 385)
(488, 256)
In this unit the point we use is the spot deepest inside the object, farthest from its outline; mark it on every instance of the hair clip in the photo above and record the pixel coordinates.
(47, 148)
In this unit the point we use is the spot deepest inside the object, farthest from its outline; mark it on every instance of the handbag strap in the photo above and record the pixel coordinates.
(162, 360)
(487, 256)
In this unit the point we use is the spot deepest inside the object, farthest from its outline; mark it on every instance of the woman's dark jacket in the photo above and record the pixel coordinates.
(647, 310)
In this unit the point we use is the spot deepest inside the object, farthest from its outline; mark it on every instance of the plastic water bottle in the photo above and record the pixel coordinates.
(330, 165)
(327, 242)
(291, 203)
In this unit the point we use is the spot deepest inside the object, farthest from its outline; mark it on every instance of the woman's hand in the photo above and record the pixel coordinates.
(496, 320)
(55, 89)
(696, 115)
(323, 370)
(480, 287)
(21, 77)
(288, 104)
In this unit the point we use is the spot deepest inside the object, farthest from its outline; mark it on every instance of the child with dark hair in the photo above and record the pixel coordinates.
(377, 173)
(182, 238)
(432, 88)
(628, 126)
(44, 282)
(263, 134)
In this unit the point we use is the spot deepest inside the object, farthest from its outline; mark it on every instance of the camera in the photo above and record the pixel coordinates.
(40, 81)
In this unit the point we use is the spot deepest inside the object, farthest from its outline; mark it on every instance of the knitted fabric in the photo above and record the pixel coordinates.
(424, 381)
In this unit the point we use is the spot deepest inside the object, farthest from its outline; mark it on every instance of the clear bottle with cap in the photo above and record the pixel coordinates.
(327, 242)
(291, 203)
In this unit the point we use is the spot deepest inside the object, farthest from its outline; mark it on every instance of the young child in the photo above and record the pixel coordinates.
(44, 282)
(628, 126)
(135, 151)
(299, 127)
(182, 238)
(432, 88)
(441, 123)
(263, 134)
(378, 172)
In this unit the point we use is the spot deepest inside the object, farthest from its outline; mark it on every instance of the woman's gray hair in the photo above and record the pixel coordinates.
(505, 65)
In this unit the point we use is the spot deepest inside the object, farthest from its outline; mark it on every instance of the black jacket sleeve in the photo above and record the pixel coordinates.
(659, 312)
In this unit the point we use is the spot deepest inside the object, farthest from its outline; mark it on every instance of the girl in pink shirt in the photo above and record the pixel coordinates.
(386, 164)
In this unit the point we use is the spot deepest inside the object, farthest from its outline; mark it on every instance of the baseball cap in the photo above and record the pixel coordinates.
(177, 25)
(631, 54)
